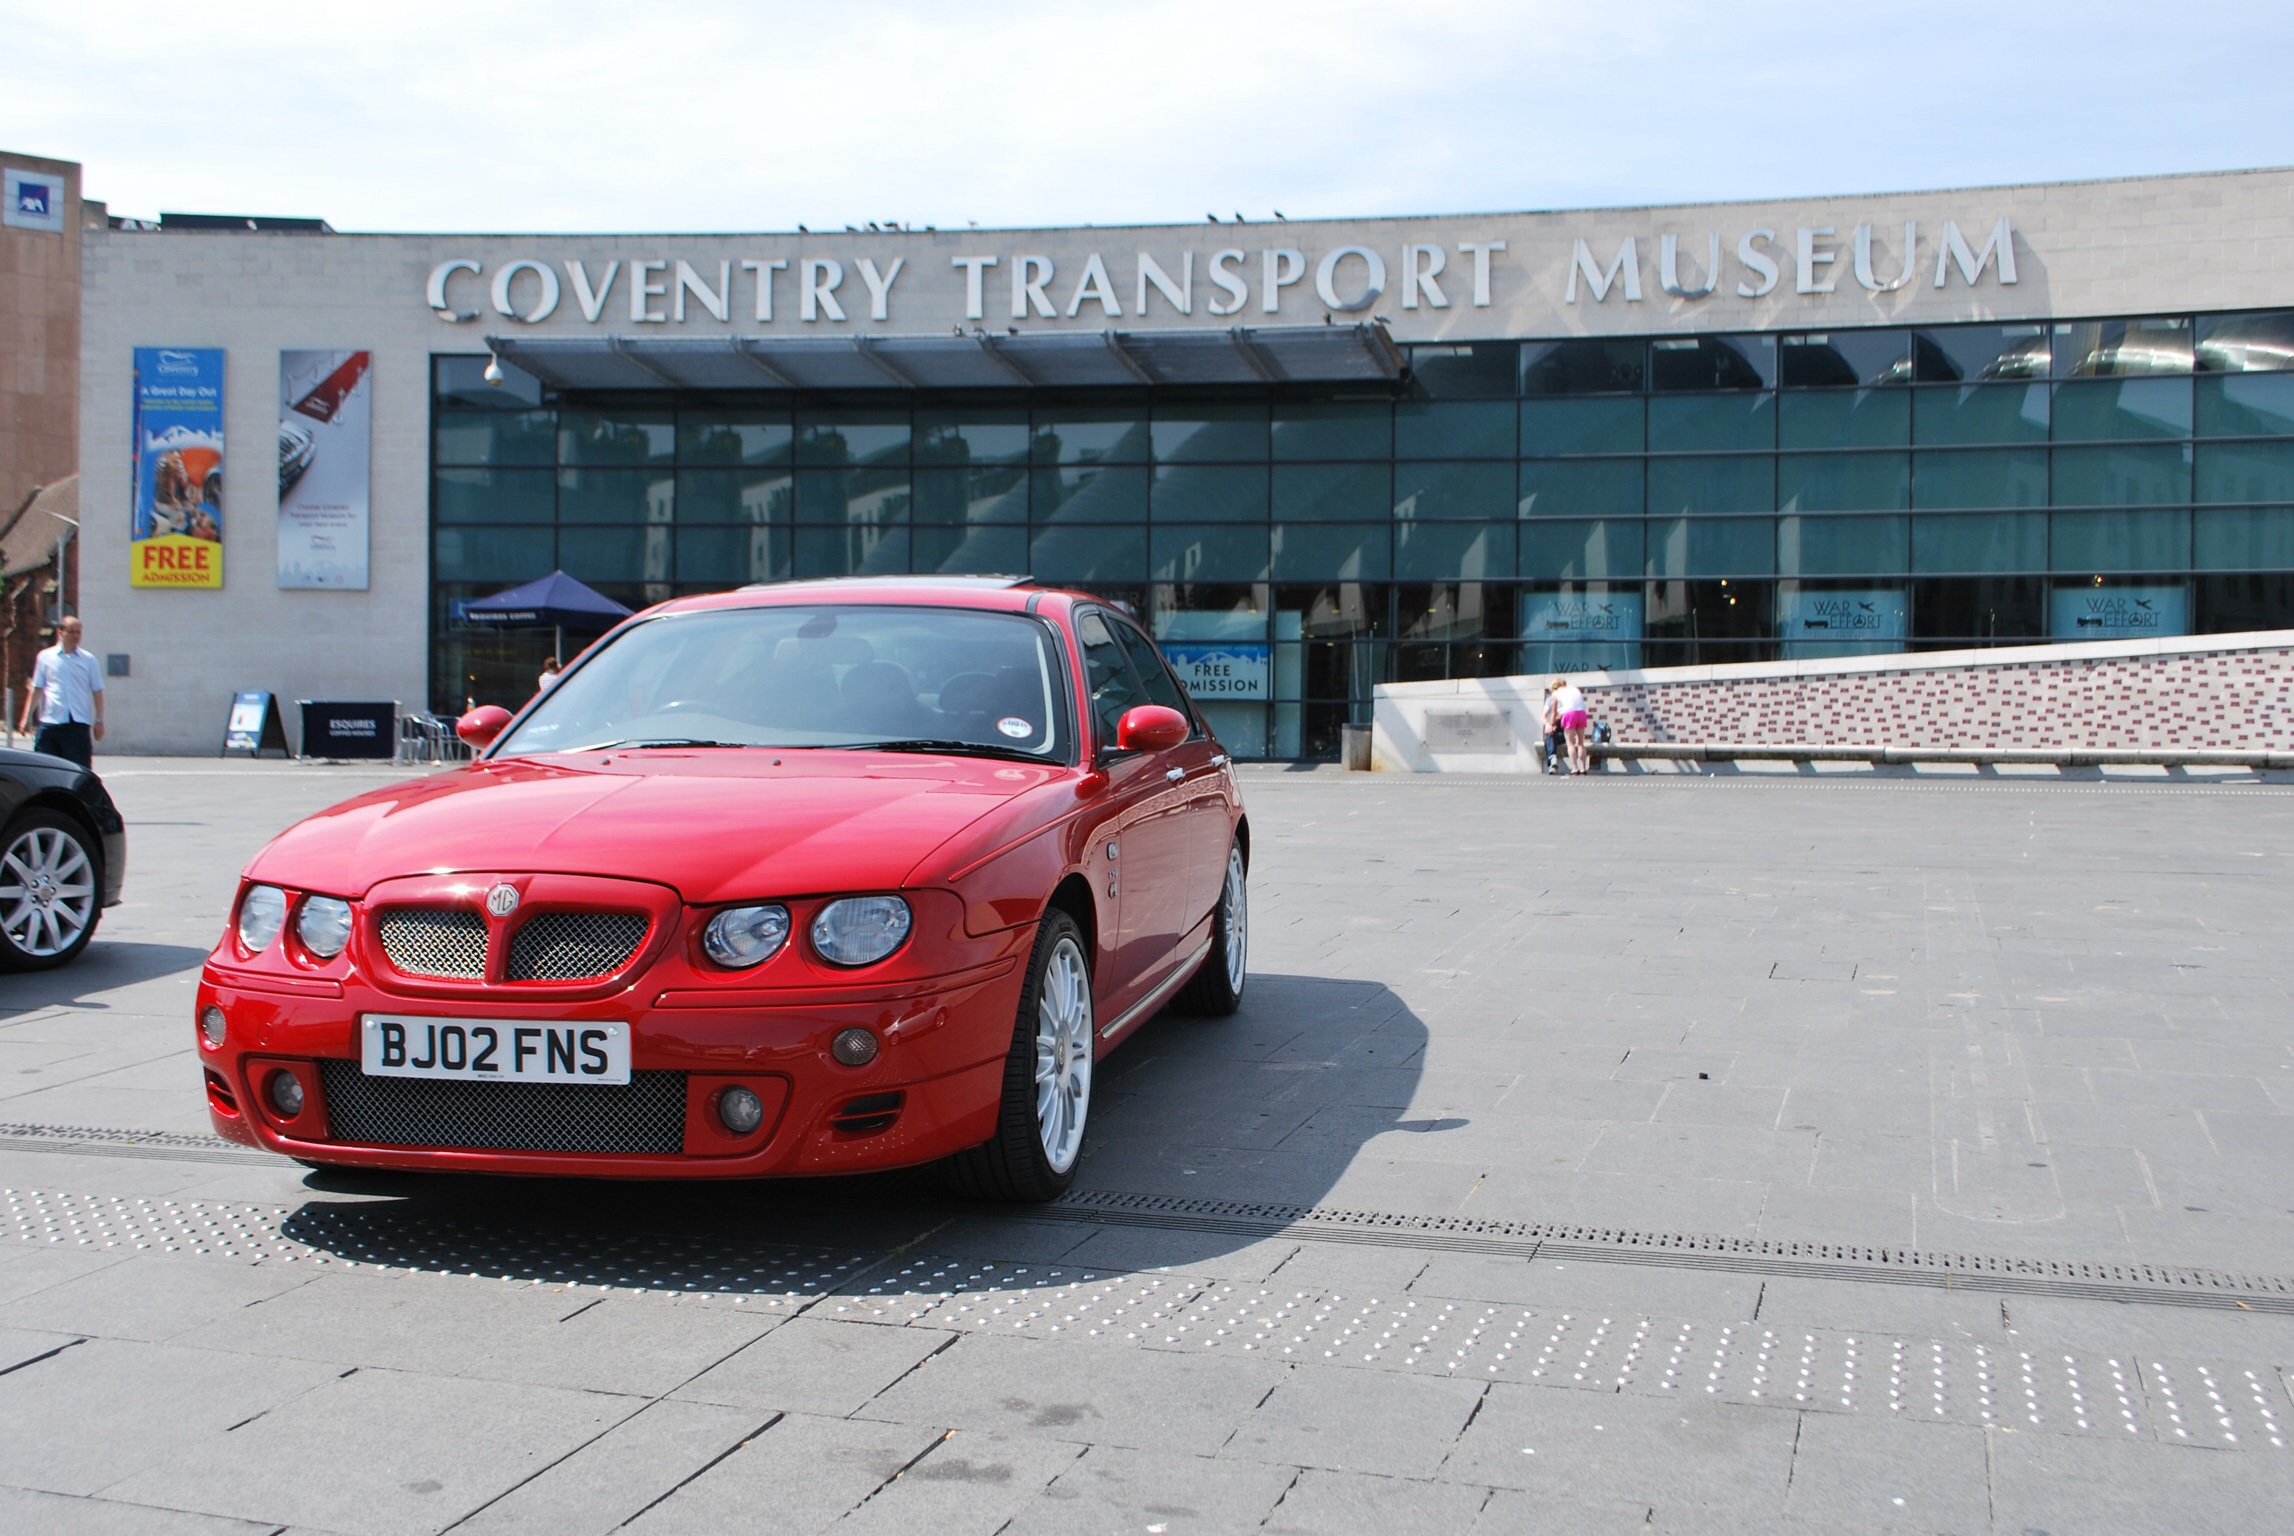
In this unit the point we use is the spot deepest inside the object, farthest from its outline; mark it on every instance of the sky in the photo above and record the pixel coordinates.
(705, 115)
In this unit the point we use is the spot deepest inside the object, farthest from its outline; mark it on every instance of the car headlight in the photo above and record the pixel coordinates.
(860, 930)
(324, 926)
(740, 937)
(262, 913)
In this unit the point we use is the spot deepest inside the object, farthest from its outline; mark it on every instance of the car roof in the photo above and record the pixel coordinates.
(1003, 594)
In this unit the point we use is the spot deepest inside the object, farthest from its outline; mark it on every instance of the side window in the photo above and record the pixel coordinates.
(1107, 675)
(1162, 687)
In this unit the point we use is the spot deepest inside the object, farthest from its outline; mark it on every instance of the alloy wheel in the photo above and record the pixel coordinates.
(47, 892)
(1063, 1044)
(1234, 911)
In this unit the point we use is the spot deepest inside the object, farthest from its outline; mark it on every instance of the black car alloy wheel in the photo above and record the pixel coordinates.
(49, 891)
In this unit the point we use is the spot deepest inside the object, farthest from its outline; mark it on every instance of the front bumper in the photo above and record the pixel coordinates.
(931, 1091)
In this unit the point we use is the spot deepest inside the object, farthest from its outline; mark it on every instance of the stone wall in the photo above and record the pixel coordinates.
(2219, 692)
(2226, 699)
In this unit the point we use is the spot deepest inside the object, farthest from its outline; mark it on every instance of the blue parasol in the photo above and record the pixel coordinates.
(556, 600)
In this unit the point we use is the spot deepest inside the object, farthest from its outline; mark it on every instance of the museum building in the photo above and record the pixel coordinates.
(1314, 456)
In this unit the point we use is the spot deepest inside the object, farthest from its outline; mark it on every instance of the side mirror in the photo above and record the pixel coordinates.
(1151, 728)
(482, 725)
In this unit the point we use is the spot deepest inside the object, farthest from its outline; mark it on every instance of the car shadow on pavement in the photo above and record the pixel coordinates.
(1255, 1116)
(103, 966)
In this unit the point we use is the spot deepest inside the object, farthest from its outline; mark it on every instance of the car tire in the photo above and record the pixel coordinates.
(51, 891)
(1217, 987)
(1046, 1100)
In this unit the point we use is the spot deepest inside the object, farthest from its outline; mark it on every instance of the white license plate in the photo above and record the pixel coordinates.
(493, 1050)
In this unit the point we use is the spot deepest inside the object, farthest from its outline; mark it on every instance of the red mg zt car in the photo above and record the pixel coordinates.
(805, 879)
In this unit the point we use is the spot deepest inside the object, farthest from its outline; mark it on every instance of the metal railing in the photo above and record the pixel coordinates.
(425, 738)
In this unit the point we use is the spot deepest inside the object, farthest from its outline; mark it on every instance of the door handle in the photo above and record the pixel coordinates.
(1176, 774)
(1220, 761)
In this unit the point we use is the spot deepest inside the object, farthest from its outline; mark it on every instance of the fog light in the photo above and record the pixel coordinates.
(853, 1047)
(213, 1025)
(740, 1110)
(286, 1094)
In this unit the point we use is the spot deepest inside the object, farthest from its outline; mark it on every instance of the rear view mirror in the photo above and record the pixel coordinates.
(482, 725)
(1151, 728)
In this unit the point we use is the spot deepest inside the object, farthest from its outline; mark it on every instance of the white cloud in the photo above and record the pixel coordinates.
(484, 114)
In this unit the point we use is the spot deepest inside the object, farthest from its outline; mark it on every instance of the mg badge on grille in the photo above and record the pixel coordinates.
(502, 900)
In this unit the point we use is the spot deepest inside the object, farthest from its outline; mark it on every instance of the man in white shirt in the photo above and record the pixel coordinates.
(68, 692)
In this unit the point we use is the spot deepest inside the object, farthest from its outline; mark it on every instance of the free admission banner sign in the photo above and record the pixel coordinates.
(325, 453)
(176, 535)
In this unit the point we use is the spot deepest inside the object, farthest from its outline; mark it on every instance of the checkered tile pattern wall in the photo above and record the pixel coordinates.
(2231, 699)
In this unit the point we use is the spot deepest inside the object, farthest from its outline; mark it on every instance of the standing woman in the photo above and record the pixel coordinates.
(1569, 705)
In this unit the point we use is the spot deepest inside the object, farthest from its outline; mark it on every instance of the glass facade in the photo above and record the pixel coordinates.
(1508, 507)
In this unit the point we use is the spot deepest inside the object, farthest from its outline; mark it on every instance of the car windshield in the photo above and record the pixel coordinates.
(913, 678)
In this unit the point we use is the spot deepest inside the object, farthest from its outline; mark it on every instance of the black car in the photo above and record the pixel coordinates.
(63, 854)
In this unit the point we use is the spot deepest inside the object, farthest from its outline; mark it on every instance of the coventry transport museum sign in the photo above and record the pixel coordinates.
(1096, 288)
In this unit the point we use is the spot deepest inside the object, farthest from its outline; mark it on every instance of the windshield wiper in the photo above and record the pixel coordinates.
(654, 741)
(943, 744)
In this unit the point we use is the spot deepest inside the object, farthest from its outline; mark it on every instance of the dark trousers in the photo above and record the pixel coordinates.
(71, 739)
(1553, 746)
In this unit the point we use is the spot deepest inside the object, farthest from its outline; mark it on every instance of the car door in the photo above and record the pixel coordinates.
(1153, 859)
(1196, 767)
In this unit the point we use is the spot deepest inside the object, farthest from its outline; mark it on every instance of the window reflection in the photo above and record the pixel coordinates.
(1845, 359)
(1973, 353)
(1712, 362)
(2097, 349)
(1583, 367)
(2246, 343)
(1465, 371)
(972, 437)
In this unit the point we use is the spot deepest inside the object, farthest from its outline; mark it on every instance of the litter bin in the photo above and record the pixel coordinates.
(1354, 747)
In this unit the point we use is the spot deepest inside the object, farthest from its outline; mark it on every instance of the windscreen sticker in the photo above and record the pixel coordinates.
(1014, 727)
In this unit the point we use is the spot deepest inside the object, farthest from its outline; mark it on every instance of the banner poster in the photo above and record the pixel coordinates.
(1862, 621)
(1580, 631)
(2119, 613)
(1224, 669)
(326, 411)
(175, 537)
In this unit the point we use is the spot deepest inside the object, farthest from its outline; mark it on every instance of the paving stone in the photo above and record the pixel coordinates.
(1926, 1477)
(574, 1336)
(402, 1452)
(52, 1514)
(626, 1470)
(1398, 1426)
(19, 1347)
(1168, 1401)
(152, 1300)
(799, 1476)
(816, 1366)
(98, 1412)
(1323, 1502)
(1515, 1513)
(1687, 1454)
(1573, 1285)
(2053, 1482)
(970, 1482)
(1111, 1488)
(1923, 1310)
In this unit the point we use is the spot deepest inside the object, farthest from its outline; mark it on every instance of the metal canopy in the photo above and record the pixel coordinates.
(1316, 354)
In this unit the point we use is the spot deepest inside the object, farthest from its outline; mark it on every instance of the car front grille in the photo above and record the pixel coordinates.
(443, 943)
(573, 946)
(645, 1115)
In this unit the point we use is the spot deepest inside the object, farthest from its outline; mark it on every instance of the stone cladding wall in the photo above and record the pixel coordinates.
(2226, 699)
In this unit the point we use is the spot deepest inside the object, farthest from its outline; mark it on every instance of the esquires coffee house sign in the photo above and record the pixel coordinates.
(1232, 285)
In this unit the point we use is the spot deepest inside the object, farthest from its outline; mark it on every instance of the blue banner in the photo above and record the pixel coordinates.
(176, 533)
